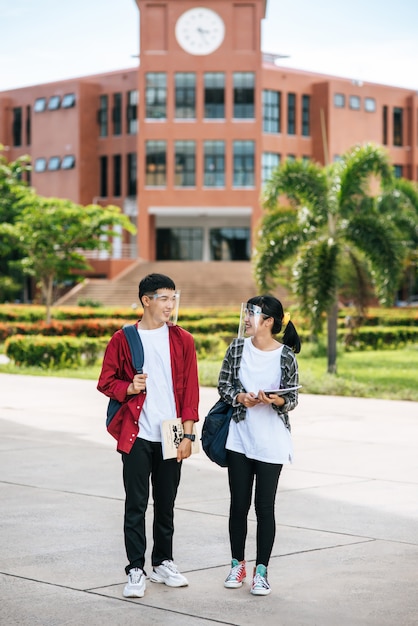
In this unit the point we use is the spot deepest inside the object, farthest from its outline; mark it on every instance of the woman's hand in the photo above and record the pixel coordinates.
(270, 398)
(248, 399)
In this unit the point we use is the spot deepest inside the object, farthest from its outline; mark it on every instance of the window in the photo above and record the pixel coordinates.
(54, 103)
(40, 105)
(370, 105)
(306, 116)
(68, 162)
(179, 244)
(214, 163)
(28, 126)
(117, 175)
(132, 173)
(397, 126)
(355, 103)
(185, 160)
(269, 162)
(40, 165)
(68, 101)
(185, 107)
(102, 115)
(290, 157)
(54, 163)
(385, 125)
(243, 163)
(244, 95)
(291, 114)
(132, 112)
(117, 114)
(103, 177)
(155, 95)
(214, 95)
(271, 111)
(17, 126)
(155, 163)
(229, 244)
(339, 100)
(398, 171)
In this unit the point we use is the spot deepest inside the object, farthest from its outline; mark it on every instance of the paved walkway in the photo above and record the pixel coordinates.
(346, 550)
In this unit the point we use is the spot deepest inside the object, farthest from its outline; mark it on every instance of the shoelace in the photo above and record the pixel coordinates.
(236, 571)
(170, 565)
(135, 575)
(260, 581)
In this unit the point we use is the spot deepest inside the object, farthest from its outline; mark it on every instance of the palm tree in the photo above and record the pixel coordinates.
(330, 214)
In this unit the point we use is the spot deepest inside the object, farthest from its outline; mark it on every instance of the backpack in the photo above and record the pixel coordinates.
(137, 354)
(215, 432)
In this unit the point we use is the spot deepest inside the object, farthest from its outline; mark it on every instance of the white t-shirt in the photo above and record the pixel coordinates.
(159, 402)
(262, 435)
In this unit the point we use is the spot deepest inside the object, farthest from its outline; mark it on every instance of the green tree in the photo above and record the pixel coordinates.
(317, 216)
(12, 188)
(52, 235)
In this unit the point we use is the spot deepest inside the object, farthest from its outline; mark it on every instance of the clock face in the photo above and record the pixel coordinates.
(200, 31)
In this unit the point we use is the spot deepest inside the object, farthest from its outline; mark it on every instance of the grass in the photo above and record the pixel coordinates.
(386, 374)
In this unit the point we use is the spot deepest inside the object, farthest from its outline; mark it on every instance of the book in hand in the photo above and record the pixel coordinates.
(172, 434)
(281, 392)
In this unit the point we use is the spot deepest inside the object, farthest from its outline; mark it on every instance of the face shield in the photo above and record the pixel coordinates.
(249, 319)
(172, 300)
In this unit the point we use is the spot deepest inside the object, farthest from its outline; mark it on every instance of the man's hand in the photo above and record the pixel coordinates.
(184, 450)
(138, 384)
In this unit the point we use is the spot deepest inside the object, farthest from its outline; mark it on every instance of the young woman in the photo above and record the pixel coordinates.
(254, 373)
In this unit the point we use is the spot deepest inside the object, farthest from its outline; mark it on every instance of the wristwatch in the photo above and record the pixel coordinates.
(191, 437)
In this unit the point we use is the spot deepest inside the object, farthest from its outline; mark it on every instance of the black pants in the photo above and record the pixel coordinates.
(241, 473)
(144, 461)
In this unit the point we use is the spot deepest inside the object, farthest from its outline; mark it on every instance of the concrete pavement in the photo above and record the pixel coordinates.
(346, 550)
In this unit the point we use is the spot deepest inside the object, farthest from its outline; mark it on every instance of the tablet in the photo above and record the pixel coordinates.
(281, 392)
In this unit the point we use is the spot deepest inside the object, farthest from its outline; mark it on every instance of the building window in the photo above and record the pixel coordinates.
(132, 173)
(397, 126)
(271, 111)
(102, 115)
(117, 114)
(28, 126)
(185, 160)
(185, 107)
(117, 175)
(339, 100)
(17, 126)
(355, 103)
(290, 157)
(385, 125)
(68, 162)
(370, 105)
(40, 165)
(306, 116)
(291, 114)
(269, 162)
(54, 163)
(54, 103)
(179, 244)
(103, 177)
(155, 164)
(214, 163)
(155, 95)
(68, 101)
(214, 95)
(40, 105)
(243, 163)
(244, 95)
(229, 244)
(398, 171)
(132, 112)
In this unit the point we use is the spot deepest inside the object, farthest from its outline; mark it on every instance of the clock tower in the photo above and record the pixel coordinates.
(186, 47)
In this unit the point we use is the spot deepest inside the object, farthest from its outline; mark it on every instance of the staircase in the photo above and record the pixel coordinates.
(202, 284)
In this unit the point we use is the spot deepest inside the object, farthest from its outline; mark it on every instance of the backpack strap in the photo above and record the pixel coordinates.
(135, 344)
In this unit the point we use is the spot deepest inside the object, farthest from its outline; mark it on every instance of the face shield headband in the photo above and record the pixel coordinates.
(249, 319)
(174, 300)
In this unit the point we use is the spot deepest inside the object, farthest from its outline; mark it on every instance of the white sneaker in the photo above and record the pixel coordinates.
(168, 574)
(135, 587)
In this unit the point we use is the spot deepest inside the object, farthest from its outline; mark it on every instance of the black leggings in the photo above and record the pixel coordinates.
(241, 473)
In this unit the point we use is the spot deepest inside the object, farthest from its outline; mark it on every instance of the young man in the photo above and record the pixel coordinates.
(167, 388)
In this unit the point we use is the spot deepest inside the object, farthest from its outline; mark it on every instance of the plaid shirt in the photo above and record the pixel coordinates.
(229, 384)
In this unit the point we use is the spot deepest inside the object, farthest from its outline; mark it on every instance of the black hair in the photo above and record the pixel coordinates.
(272, 307)
(152, 282)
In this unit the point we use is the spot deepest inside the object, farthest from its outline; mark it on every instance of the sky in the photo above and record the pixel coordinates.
(369, 40)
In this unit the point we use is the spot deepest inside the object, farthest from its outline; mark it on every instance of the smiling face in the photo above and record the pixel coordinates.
(160, 307)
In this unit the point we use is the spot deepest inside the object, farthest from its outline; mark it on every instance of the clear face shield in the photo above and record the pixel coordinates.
(172, 300)
(249, 319)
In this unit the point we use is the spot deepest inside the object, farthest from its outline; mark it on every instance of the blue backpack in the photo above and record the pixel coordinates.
(137, 353)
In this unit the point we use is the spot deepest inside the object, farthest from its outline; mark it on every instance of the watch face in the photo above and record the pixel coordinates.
(200, 31)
